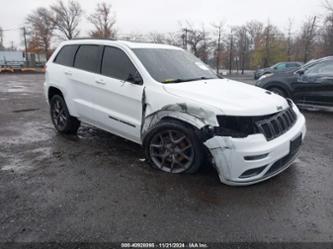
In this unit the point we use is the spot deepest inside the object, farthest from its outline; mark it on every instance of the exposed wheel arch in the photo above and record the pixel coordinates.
(172, 120)
(54, 91)
(60, 116)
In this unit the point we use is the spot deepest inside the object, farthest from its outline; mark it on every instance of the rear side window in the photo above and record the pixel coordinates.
(66, 55)
(116, 64)
(281, 66)
(88, 58)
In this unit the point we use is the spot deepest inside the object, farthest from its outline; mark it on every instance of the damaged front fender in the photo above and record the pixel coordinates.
(196, 116)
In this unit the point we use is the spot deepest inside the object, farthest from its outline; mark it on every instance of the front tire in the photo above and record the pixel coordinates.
(61, 119)
(278, 91)
(173, 147)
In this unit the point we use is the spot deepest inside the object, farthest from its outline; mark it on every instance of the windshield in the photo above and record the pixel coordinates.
(173, 65)
(276, 65)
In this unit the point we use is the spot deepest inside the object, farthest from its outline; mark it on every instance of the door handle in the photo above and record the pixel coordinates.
(68, 73)
(100, 82)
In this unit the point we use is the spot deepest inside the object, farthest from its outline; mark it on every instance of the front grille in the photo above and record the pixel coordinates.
(277, 124)
(271, 126)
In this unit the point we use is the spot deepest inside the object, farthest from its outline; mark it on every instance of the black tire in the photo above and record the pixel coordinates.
(61, 119)
(180, 153)
(278, 91)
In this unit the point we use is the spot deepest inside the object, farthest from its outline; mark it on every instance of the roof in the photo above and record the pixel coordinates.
(131, 45)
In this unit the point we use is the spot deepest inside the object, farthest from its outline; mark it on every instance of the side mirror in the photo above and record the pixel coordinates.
(135, 79)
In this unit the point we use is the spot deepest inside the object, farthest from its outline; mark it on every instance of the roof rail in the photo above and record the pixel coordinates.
(89, 38)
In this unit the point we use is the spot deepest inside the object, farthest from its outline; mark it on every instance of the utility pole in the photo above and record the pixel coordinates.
(185, 37)
(244, 52)
(218, 51)
(26, 46)
(1, 38)
(230, 52)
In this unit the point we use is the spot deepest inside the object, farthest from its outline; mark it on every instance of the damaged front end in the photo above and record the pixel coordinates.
(205, 123)
(244, 149)
(203, 120)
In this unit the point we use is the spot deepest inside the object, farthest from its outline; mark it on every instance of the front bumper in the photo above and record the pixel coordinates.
(235, 156)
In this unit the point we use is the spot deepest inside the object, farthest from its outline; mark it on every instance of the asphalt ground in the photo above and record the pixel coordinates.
(95, 187)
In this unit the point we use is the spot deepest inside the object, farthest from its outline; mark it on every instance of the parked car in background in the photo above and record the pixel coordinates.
(279, 67)
(171, 103)
(312, 84)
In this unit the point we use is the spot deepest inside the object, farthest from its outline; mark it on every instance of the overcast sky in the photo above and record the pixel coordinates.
(165, 15)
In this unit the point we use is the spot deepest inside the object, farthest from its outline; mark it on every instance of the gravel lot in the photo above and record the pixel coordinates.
(94, 187)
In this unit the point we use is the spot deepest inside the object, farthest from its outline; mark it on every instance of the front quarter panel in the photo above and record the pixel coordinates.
(158, 104)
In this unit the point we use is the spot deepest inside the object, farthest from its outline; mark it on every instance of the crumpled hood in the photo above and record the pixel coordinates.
(231, 97)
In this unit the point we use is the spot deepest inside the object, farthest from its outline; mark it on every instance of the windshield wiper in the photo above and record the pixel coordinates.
(185, 80)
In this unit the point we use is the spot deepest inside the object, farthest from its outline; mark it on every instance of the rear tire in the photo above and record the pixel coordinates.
(173, 147)
(61, 119)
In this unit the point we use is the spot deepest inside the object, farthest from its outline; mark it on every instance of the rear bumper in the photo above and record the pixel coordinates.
(263, 159)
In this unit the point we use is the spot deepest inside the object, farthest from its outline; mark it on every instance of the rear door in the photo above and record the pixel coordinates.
(59, 74)
(117, 95)
(315, 86)
(86, 67)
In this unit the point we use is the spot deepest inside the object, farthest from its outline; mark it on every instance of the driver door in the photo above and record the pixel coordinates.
(315, 86)
(117, 95)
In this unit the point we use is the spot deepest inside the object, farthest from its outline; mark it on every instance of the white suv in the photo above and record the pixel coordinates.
(170, 102)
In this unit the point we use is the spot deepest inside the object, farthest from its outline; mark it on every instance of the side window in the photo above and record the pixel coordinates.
(321, 68)
(88, 58)
(116, 64)
(292, 65)
(281, 66)
(66, 55)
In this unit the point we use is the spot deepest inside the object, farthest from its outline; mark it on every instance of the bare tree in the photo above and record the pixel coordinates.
(255, 30)
(1, 39)
(174, 38)
(256, 33)
(67, 18)
(197, 39)
(41, 28)
(230, 51)
(218, 31)
(243, 43)
(328, 5)
(268, 33)
(290, 39)
(272, 41)
(308, 34)
(103, 20)
(204, 47)
(327, 30)
(156, 37)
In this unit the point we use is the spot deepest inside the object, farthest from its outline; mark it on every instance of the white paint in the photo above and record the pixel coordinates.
(93, 103)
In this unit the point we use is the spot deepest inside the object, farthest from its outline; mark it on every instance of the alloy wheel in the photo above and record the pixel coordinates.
(171, 151)
(59, 115)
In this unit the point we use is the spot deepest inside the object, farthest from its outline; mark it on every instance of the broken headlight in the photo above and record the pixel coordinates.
(237, 127)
